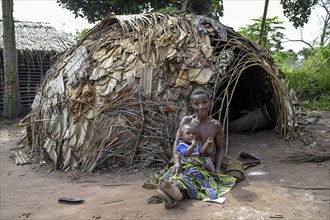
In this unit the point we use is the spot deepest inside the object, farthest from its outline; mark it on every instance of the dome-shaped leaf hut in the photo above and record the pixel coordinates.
(117, 97)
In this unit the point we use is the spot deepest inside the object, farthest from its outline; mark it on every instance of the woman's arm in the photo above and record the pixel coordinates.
(219, 154)
(176, 158)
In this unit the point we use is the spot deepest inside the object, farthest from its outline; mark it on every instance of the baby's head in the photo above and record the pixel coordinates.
(188, 133)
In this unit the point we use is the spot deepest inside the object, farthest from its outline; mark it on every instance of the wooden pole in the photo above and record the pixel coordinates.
(263, 25)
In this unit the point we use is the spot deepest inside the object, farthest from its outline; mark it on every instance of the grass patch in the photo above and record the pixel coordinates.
(313, 90)
(323, 104)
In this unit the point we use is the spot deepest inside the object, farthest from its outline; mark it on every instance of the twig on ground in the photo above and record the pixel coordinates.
(119, 184)
(120, 200)
(307, 188)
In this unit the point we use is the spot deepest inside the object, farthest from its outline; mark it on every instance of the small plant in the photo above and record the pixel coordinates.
(19, 127)
(80, 34)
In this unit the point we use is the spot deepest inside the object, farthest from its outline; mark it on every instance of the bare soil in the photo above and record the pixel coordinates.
(276, 188)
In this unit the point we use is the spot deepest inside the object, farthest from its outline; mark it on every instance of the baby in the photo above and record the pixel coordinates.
(188, 146)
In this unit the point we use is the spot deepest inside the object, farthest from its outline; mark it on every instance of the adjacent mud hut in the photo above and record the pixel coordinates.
(37, 46)
(117, 97)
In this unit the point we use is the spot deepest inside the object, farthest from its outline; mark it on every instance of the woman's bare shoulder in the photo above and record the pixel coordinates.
(215, 122)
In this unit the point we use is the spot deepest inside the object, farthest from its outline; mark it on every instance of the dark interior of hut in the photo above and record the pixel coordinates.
(252, 106)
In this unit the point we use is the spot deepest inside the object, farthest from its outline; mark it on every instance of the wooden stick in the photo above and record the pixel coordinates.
(120, 200)
(307, 188)
(140, 132)
(118, 184)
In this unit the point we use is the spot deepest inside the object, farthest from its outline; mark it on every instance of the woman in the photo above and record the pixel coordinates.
(187, 177)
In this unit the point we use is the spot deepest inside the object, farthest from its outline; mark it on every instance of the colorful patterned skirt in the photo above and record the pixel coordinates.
(199, 183)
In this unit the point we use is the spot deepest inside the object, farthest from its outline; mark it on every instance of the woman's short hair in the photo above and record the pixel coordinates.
(199, 92)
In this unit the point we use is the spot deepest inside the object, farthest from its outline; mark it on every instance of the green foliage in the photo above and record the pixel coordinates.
(94, 10)
(322, 104)
(287, 60)
(80, 34)
(218, 9)
(298, 11)
(272, 35)
(169, 10)
(310, 78)
(20, 127)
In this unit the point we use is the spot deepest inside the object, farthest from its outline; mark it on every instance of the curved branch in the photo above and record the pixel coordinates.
(301, 40)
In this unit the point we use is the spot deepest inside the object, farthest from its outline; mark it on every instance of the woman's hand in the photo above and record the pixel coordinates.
(176, 168)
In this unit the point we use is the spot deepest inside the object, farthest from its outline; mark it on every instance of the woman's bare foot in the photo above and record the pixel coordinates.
(167, 201)
(170, 189)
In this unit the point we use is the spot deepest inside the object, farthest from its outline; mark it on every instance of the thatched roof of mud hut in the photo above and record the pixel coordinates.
(118, 96)
(38, 36)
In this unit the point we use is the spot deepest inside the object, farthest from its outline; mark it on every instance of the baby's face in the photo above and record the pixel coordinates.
(188, 134)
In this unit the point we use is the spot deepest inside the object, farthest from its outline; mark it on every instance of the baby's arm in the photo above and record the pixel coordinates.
(206, 145)
(191, 148)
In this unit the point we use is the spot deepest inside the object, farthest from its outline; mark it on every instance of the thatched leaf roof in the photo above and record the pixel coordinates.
(38, 36)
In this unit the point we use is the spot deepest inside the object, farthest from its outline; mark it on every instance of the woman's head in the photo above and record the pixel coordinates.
(188, 133)
(201, 102)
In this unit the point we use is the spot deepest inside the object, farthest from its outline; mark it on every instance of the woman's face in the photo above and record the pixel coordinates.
(201, 104)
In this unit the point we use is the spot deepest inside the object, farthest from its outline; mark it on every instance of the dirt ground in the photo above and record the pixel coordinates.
(274, 189)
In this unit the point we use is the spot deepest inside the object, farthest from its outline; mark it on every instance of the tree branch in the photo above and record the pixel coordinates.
(301, 40)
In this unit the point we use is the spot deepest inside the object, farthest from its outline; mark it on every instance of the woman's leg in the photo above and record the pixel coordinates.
(170, 189)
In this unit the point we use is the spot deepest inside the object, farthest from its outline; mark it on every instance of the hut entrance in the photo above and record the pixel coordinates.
(251, 107)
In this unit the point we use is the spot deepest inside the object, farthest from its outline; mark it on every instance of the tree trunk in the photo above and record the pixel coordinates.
(324, 30)
(326, 21)
(11, 96)
(263, 25)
